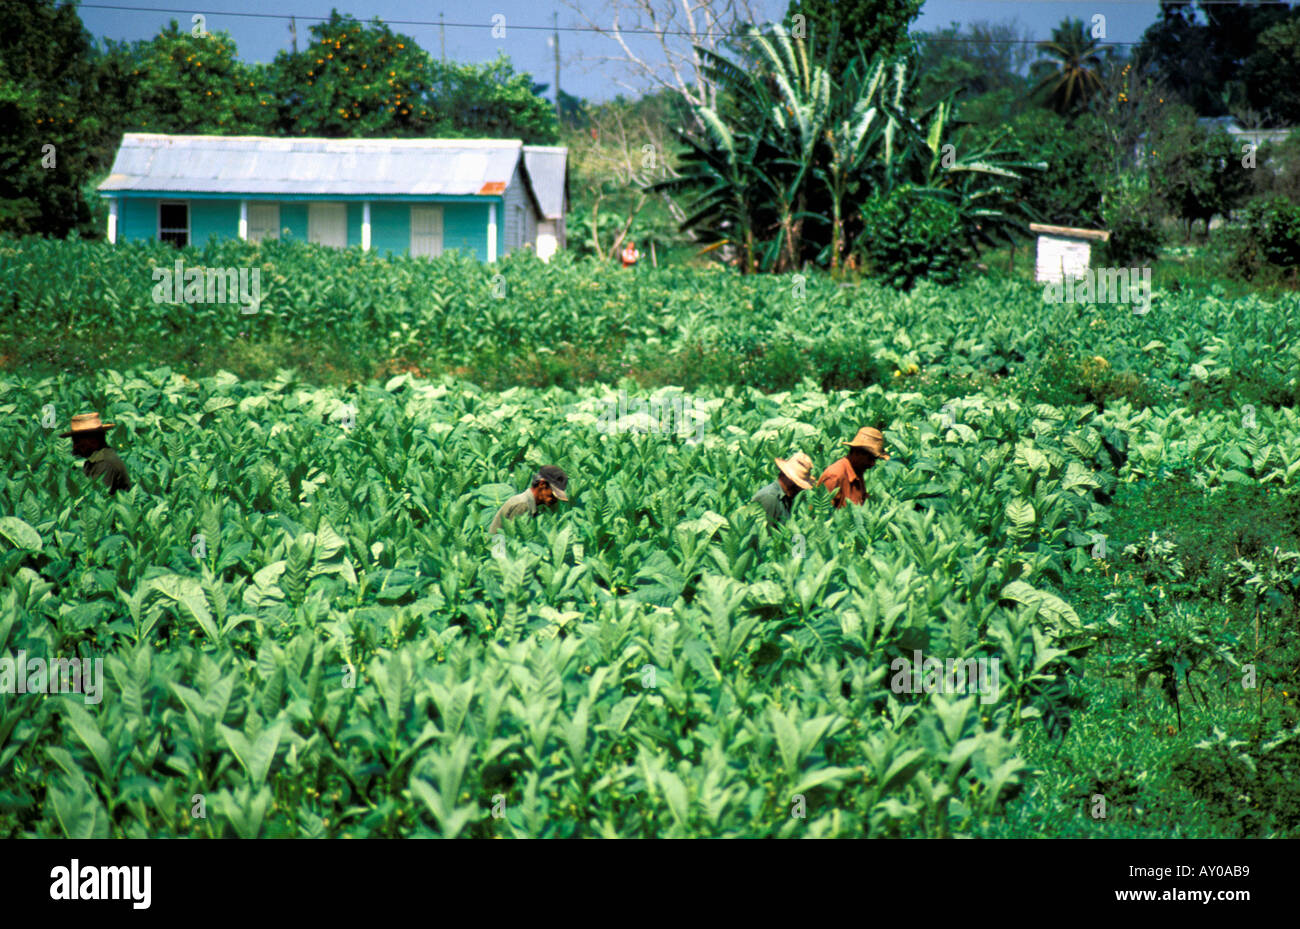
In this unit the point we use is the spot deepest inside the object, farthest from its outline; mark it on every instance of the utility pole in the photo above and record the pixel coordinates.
(442, 37)
(293, 31)
(555, 22)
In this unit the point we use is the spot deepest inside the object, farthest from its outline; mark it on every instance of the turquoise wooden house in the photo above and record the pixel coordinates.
(484, 197)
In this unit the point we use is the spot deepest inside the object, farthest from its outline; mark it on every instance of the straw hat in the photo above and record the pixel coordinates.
(798, 467)
(86, 422)
(873, 440)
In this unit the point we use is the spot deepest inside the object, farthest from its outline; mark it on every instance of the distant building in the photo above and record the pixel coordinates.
(1234, 129)
(548, 168)
(483, 197)
(1064, 252)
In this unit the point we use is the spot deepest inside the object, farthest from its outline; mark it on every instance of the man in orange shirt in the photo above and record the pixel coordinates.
(844, 477)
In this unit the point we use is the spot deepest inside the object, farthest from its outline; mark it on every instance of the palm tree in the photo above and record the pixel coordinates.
(1071, 67)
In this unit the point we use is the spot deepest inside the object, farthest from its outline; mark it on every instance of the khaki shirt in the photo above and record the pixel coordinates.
(774, 502)
(106, 466)
(518, 504)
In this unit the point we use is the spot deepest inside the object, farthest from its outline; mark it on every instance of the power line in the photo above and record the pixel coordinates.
(393, 22)
(602, 31)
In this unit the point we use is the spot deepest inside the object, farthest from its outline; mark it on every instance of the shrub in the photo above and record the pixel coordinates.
(1130, 211)
(1270, 237)
(1065, 378)
(1247, 788)
(908, 236)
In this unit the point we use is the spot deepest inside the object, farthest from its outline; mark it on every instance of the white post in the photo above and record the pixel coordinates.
(243, 220)
(112, 220)
(492, 232)
(365, 225)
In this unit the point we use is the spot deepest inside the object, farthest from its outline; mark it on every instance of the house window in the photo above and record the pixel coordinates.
(263, 221)
(174, 223)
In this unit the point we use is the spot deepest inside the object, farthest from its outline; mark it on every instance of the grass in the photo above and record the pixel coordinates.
(1125, 742)
(1201, 266)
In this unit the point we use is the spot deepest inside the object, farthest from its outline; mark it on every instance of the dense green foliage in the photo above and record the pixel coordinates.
(1198, 174)
(794, 150)
(48, 97)
(82, 305)
(623, 650)
(303, 620)
(1270, 237)
(907, 238)
(840, 27)
(1195, 569)
(1219, 57)
(186, 83)
(350, 80)
(366, 81)
(975, 60)
(348, 654)
(1129, 212)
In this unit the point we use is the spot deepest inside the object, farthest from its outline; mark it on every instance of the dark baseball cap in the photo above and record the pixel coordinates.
(555, 477)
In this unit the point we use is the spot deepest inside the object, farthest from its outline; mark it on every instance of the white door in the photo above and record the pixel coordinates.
(426, 231)
(547, 240)
(327, 224)
(263, 221)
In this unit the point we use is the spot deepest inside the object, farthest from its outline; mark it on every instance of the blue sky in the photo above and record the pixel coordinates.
(469, 27)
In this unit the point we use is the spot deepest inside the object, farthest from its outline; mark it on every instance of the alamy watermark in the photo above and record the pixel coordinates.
(1104, 285)
(929, 675)
(209, 285)
(36, 675)
(132, 883)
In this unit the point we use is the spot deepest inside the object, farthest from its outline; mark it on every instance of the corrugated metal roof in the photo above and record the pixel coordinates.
(548, 170)
(264, 165)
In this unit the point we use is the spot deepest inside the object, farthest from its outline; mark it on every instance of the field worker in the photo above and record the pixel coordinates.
(630, 255)
(844, 477)
(548, 486)
(88, 442)
(777, 498)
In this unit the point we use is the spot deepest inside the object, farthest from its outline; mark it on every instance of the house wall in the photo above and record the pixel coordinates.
(517, 196)
(293, 216)
(464, 227)
(390, 227)
(137, 219)
(213, 218)
(464, 224)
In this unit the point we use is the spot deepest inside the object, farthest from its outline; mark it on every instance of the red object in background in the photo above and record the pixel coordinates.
(630, 255)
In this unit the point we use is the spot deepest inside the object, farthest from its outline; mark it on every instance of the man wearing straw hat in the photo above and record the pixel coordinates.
(844, 477)
(548, 485)
(87, 434)
(777, 498)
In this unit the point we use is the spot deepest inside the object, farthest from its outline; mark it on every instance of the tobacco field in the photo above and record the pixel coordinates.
(307, 630)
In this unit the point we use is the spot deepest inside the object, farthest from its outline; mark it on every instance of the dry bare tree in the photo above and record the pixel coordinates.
(657, 41)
